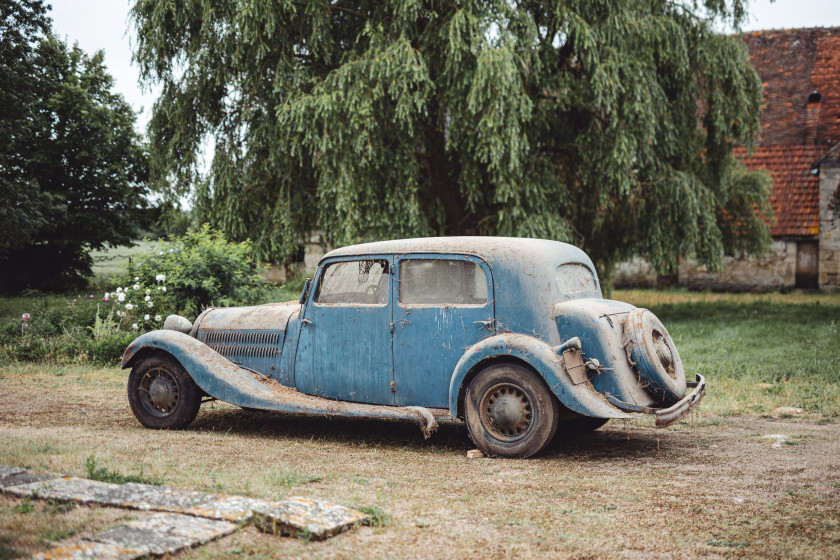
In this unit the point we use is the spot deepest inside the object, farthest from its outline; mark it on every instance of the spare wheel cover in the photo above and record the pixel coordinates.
(654, 355)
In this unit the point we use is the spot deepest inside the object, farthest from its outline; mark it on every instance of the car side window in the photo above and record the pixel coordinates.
(362, 282)
(442, 282)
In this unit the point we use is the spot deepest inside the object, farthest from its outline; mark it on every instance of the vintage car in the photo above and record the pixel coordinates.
(510, 335)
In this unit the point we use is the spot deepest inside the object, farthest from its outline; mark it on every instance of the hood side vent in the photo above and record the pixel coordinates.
(242, 344)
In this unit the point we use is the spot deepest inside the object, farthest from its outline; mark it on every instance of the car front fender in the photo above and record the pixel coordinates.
(581, 398)
(216, 375)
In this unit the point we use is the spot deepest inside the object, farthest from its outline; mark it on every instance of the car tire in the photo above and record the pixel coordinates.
(654, 356)
(510, 411)
(162, 394)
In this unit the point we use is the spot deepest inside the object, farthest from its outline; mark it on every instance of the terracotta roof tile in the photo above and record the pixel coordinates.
(796, 192)
(792, 64)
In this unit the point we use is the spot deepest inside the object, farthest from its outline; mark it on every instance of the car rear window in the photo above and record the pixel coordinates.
(355, 282)
(442, 282)
(574, 279)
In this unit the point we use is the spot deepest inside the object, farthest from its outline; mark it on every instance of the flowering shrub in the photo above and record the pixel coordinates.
(182, 276)
(193, 271)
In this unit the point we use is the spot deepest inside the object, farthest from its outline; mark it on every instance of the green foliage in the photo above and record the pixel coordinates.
(73, 170)
(200, 268)
(575, 121)
(376, 517)
(95, 472)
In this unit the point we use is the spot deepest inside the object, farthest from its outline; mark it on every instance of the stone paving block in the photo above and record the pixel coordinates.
(162, 533)
(165, 533)
(88, 550)
(17, 477)
(228, 508)
(304, 517)
(9, 471)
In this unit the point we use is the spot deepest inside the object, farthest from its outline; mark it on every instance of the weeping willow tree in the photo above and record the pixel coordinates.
(608, 124)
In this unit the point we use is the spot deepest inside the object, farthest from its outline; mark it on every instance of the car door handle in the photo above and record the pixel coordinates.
(305, 321)
(488, 323)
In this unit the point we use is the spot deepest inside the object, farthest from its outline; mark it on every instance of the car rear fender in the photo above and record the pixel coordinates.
(581, 398)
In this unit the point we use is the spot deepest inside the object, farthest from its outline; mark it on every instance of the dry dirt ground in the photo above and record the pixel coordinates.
(710, 487)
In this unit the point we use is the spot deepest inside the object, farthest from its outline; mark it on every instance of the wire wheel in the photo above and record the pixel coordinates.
(506, 412)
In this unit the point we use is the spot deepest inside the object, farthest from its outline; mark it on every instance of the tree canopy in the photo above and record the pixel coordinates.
(73, 171)
(608, 124)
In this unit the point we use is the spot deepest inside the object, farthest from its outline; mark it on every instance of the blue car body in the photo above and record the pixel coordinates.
(384, 328)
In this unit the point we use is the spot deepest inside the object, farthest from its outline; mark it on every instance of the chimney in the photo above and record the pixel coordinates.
(812, 117)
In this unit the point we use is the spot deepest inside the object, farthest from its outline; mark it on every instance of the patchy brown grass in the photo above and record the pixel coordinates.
(709, 487)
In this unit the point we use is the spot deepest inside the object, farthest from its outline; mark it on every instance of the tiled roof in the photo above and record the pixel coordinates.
(796, 129)
(796, 192)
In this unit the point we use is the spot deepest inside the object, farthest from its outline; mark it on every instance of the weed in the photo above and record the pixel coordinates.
(52, 535)
(375, 516)
(7, 551)
(288, 478)
(24, 507)
(102, 474)
(54, 506)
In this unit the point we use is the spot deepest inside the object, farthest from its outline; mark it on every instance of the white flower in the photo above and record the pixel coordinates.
(148, 291)
(150, 303)
(121, 313)
(160, 253)
(129, 307)
(147, 298)
(146, 317)
(107, 295)
(121, 297)
(163, 288)
(158, 317)
(171, 250)
(134, 326)
(136, 278)
(161, 277)
(119, 290)
(136, 286)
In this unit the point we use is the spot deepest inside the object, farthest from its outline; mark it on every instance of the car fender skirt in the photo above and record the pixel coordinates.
(581, 398)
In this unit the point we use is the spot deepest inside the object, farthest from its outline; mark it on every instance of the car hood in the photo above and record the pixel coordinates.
(269, 317)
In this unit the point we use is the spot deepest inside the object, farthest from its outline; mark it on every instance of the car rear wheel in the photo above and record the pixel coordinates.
(510, 412)
(161, 393)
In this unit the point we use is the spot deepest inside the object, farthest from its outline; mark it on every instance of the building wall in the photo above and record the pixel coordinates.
(829, 260)
(775, 270)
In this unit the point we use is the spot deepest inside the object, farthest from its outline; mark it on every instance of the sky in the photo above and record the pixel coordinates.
(104, 25)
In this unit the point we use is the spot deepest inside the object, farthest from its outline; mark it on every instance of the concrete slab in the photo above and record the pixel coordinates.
(165, 533)
(24, 477)
(8, 471)
(87, 550)
(162, 533)
(303, 517)
(228, 508)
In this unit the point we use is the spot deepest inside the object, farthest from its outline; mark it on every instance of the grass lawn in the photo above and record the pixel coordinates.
(710, 486)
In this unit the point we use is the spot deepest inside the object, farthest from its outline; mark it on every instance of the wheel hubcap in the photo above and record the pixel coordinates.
(159, 392)
(506, 412)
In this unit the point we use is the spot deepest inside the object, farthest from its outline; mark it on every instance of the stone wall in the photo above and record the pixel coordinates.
(312, 253)
(829, 261)
(775, 270)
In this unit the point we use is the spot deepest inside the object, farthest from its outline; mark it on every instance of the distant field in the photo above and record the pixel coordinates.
(110, 262)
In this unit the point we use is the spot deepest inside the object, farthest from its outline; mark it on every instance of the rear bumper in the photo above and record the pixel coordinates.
(667, 416)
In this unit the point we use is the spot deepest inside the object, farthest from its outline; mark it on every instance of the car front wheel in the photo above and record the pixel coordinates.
(510, 412)
(161, 393)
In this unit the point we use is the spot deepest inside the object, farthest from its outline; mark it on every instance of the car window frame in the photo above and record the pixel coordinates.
(480, 261)
(315, 289)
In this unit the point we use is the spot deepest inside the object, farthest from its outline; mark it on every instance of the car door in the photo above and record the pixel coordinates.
(444, 306)
(345, 349)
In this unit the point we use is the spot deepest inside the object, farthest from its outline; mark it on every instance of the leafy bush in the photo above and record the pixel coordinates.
(200, 268)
